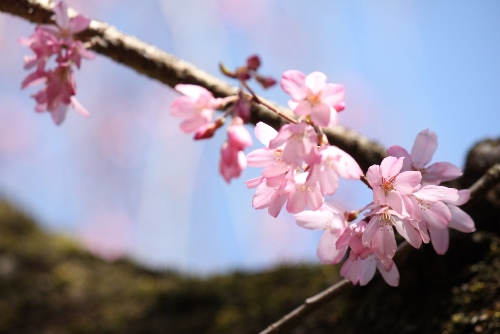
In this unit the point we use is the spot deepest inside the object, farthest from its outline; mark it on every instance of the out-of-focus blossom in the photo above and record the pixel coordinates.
(196, 106)
(233, 160)
(56, 41)
(313, 97)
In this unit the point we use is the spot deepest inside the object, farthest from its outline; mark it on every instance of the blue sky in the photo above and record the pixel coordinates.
(127, 181)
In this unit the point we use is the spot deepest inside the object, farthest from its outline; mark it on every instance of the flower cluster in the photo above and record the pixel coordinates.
(296, 169)
(406, 196)
(57, 44)
(197, 107)
(300, 168)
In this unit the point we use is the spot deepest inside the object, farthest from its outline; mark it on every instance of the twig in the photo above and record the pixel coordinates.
(159, 65)
(484, 184)
(478, 189)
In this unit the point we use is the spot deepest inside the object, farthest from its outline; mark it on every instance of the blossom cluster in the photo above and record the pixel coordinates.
(408, 197)
(300, 168)
(55, 44)
(197, 107)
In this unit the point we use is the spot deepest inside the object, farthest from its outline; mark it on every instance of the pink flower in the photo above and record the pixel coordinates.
(233, 160)
(313, 97)
(303, 191)
(59, 41)
(196, 107)
(271, 159)
(333, 223)
(269, 193)
(379, 233)
(58, 94)
(362, 262)
(421, 154)
(390, 187)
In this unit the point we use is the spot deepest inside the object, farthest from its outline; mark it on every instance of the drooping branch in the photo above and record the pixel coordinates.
(162, 66)
(490, 179)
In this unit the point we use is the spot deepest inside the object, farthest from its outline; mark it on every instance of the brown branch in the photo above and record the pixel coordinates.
(159, 65)
(484, 184)
(478, 189)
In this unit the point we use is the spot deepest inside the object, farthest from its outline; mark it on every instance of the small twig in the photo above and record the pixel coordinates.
(484, 184)
(478, 189)
(259, 100)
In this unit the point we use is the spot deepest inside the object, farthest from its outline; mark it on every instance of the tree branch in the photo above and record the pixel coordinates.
(159, 65)
(478, 190)
(484, 184)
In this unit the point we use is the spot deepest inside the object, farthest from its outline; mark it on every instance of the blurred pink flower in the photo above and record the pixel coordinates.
(313, 97)
(56, 40)
(196, 107)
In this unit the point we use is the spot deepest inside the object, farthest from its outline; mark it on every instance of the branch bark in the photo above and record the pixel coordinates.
(162, 66)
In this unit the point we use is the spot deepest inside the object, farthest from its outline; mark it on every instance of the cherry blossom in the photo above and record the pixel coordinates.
(59, 41)
(313, 97)
(196, 106)
(362, 262)
(390, 187)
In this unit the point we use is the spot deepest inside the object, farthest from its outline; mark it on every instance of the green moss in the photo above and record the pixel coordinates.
(49, 284)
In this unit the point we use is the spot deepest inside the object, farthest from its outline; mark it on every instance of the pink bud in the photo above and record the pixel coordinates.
(339, 107)
(208, 130)
(266, 82)
(253, 62)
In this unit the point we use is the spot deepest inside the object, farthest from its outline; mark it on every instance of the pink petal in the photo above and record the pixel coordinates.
(327, 251)
(407, 231)
(303, 108)
(367, 270)
(315, 81)
(320, 114)
(191, 124)
(423, 149)
(314, 220)
(78, 24)
(193, 91)
(78, 107)
(432, 193)
(346, 166)
(407, 182)
(261, 157)
(437, 215)
(399, 152)
(59, 113)
(61, 11)
(276, 204)
(373, 176)
(460, 220)
(440, 239)
(391, 277)
(440, 172)
(390, 167)
(333, 94)
(351, 269)
(265, 133)
(293, 82)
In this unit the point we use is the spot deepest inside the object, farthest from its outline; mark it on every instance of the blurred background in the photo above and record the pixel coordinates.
(128, 182)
